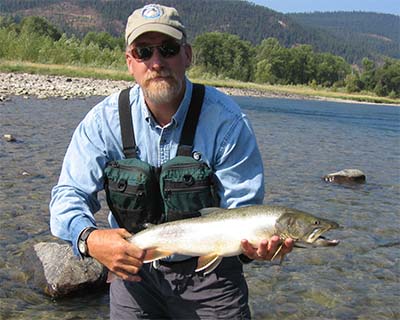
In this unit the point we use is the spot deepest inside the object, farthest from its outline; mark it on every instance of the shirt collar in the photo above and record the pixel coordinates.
(179, 117)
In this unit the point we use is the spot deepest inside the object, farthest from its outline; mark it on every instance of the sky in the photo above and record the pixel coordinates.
(286, 6)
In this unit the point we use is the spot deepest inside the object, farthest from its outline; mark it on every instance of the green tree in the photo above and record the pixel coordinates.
(352, 82)
(103, 40)
(300, 67)
(368, 74)
(40, 27)
(263, 73)
(6, 21)
(224, 55)
(330, 68)
(388, 79)
(64, 51)
(273, 59)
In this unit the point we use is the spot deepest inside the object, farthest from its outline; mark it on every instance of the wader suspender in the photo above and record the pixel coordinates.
(188, 131)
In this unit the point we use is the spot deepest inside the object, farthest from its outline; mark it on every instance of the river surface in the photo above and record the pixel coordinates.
(300, 142)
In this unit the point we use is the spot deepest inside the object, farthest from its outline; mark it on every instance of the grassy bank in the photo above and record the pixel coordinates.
(114, 74)
(304, 91)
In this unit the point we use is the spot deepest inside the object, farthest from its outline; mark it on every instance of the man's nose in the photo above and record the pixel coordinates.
(157, 61)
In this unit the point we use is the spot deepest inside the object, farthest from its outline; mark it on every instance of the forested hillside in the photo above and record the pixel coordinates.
(244, 19)
(250, 22)
(370, 32)
(216, 55)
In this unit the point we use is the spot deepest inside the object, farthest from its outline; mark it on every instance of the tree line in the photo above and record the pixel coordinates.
(225, 55)
(216, 55)
(352, 35)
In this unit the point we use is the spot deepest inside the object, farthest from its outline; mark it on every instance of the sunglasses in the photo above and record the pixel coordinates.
(167, 50)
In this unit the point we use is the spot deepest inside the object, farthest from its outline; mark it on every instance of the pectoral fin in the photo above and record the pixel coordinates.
(208, 263)
(278, 250)
(154, 254)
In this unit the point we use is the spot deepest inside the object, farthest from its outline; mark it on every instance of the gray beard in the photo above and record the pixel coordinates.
(162, 92)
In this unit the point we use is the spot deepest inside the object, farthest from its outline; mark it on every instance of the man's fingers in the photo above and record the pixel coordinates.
(248, 249)
(267, 250)
(122, 275)
(135, 252)
(287, 246)
(263, 250)
(111, 248)
(129, 264)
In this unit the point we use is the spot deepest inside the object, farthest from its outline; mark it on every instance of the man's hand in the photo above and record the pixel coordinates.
(267, 249)
(111, 248)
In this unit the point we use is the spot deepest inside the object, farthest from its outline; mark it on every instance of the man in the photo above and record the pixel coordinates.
(157, 56)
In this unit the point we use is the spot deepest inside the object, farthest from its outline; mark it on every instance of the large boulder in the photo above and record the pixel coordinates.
(346, 176)
(58, 272)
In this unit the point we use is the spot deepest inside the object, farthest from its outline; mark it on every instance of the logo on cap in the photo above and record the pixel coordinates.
(152, 11)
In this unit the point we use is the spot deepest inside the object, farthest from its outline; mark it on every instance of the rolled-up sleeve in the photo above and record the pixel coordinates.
(239, 166)
(74, 198)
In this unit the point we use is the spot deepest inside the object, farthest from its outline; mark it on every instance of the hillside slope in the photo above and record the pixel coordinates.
(371, 32)
(249, 21)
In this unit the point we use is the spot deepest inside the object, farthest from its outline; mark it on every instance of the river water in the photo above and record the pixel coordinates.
(300, 142)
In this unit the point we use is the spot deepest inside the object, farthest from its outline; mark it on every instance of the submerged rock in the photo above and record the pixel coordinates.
(346, 176)
(9, 138)
(4, 98)
(60, 273)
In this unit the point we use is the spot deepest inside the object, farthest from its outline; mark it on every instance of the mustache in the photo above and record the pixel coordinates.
(163, 74)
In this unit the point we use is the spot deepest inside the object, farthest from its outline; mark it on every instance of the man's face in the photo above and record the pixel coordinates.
(159, 71)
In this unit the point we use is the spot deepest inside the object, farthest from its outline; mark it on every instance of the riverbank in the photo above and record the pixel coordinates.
(44, 86)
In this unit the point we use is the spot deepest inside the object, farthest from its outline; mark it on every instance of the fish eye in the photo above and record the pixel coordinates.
(317, 222)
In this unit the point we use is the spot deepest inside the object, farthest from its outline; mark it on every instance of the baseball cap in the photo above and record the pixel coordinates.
(156, 18)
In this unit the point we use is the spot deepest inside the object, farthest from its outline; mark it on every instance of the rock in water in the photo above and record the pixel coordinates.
(346, 176)
(62, 273)
(9, 138)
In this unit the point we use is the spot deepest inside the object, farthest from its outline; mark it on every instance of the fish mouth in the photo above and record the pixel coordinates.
(315, 234)
(325, 242)
(319, 242)
(315, 239)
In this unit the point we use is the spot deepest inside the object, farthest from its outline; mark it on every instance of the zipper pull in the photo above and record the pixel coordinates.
(114, 164)
(167, 193)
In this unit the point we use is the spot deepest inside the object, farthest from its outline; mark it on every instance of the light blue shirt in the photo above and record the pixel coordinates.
(224, 138)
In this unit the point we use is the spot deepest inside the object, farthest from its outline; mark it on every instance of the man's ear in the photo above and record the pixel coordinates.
(129, 60)
(188, 54)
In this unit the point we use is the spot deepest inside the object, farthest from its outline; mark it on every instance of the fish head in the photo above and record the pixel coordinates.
(305, 229)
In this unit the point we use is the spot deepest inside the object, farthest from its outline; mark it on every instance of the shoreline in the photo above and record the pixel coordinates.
(46, 86)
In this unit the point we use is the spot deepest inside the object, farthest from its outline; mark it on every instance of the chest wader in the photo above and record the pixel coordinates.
(138, 193)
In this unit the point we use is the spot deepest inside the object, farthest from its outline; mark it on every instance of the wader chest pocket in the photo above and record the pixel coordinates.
(129, 186)
(186, 187)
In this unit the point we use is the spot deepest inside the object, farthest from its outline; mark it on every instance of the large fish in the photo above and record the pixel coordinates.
(218, 233)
